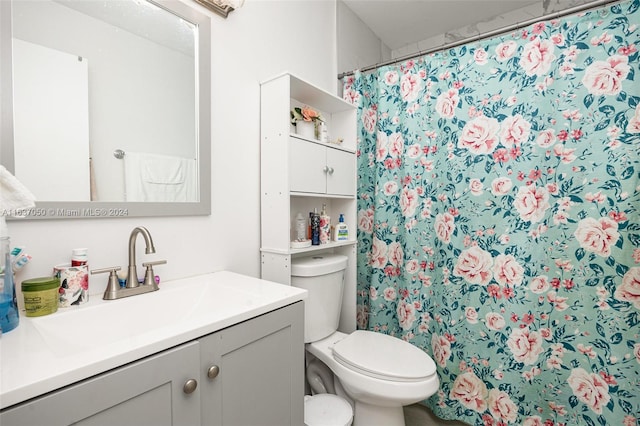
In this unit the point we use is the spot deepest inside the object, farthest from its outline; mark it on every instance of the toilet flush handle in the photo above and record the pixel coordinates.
(213, 372)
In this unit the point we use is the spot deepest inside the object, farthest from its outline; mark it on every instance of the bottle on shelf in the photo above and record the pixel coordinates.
(301, 227)
(315, 228)
(341, 232)
(325, 226)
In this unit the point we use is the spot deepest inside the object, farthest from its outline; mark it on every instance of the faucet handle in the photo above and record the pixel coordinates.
(113, 284)
(149, 276)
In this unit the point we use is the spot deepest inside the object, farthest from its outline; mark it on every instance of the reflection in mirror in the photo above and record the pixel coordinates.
(110, 104)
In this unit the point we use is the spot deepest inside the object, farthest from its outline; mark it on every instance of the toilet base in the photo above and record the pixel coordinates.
(374, 415)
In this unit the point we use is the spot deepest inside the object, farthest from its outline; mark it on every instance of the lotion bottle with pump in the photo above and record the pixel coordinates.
(342, 230)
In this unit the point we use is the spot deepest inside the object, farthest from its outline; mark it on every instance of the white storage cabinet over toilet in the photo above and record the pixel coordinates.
(300, 174)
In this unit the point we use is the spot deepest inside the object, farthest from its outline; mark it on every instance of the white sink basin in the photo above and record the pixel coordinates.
(103, 323)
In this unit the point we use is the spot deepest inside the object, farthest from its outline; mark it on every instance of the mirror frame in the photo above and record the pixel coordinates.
(116, 209)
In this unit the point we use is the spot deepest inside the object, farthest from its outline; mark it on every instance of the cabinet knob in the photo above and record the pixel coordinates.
(213, 372)
(326, 169)
(190, 386)
(330, 170)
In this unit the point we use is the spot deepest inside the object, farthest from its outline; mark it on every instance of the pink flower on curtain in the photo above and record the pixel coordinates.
(378, 253)
(634, 124)
(533, 421)
(414, 151)
(406, 315)
(605, 77)
(390, 188)
(365, 220)
(597, 235)
(389, 294)
(474, 265)
(391, 77)
(546, 138)
(470, 391)
(507, 270)
(476, 187)
(396, 145)
(537, 57)
(480, 135)
(447, 102)
(514, 131)
(532, 203)
(408, 202)
(566, 155)
(396, 254)
(539, 284)
(590, 388)
(471, 315)
(494, 321)
(382, 146)
(629, 290)
(501, 186)
(506, 50)
(441, 348)
(369, 119)
(409, 87)
(501, 406)
(351, 96)
(480, 56)
(525, 345)
(445, 225)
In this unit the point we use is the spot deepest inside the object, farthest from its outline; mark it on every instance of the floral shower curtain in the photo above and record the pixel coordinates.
(499, 219)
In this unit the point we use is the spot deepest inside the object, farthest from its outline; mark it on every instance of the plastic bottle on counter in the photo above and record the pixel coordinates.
(79, 257)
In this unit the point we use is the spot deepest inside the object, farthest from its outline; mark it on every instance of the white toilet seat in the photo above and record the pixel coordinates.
(383, 357)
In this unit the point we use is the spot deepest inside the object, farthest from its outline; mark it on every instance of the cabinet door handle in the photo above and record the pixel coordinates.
(330, 170)
(326, 169)
(190, 386)
(213, 372)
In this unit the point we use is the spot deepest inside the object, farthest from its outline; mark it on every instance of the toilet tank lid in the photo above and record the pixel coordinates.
(318, 264)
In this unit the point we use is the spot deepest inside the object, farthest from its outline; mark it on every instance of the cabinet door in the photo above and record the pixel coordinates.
(146, 392)
(258, 369)
(307, 164)
(341, 176)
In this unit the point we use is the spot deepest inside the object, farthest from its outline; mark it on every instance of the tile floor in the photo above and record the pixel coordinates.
(419, 415)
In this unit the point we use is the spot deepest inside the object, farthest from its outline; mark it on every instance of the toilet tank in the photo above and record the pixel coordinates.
(323, 277)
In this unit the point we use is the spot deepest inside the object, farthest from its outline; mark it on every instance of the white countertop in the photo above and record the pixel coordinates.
(46, 353)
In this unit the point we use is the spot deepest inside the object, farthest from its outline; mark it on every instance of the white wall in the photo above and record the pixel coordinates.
(358, 46)
(262, 39)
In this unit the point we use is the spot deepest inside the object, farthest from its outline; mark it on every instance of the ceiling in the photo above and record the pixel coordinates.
(401, 22)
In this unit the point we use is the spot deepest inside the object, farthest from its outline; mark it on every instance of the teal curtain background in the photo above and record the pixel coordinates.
(498, 219)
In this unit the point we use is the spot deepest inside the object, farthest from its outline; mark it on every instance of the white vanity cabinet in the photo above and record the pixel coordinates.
(300, 175)
(251, 373)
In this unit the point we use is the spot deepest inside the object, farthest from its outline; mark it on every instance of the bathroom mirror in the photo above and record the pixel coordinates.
(105, 107)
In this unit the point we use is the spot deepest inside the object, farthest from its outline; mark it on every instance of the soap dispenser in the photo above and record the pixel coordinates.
(342, 230)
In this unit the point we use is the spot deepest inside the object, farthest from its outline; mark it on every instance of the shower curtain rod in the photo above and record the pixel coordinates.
(554, 15)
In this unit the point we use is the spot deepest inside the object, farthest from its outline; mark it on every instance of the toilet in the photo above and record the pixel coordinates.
(378, 374)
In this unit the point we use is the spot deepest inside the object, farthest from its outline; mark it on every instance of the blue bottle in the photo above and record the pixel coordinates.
(9, 318)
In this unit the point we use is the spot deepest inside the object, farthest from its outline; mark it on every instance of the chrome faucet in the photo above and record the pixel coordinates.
(132, 276)
(132, 286)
